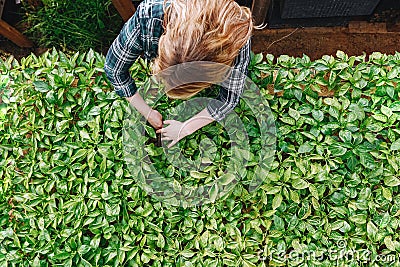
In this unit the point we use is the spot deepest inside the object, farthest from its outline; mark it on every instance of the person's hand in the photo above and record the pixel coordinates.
(155, 119)
(174, 132)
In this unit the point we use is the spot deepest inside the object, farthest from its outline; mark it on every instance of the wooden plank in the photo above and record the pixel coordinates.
(367, 27)
(14, 35)
(318, 41)
(125, 8)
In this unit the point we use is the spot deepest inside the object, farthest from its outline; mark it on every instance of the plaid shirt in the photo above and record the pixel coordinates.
(140, 35)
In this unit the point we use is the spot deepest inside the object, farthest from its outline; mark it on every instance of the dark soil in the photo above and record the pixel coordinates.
(7, 48)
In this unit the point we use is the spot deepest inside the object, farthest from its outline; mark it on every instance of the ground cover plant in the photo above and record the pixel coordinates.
(330, 197)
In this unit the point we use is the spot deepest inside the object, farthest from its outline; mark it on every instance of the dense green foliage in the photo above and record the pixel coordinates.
(72, 25)
(66, 197)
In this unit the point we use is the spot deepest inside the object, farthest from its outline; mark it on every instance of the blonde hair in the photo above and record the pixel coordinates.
(200, 30)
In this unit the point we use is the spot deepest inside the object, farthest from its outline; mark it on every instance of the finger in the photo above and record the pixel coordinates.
(166, 138)
(168, 121)
(160, 123)
(156, 125)
(172, 143)
(161, 130)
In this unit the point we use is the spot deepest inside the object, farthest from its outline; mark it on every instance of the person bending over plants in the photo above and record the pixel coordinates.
(179, 31)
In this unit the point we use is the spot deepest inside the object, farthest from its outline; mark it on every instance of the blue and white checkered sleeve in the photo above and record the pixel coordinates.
(125, 49)
(232, 88)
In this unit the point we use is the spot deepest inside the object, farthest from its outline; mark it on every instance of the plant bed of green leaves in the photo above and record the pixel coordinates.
(329, 199)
